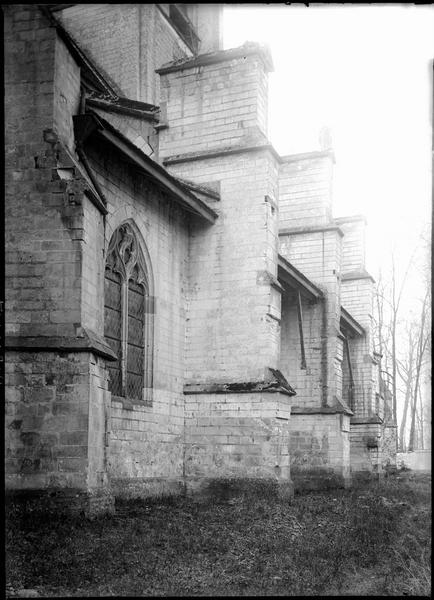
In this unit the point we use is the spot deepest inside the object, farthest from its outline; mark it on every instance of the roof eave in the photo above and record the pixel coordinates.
(88, 124)
(288, 274)
(350, 323)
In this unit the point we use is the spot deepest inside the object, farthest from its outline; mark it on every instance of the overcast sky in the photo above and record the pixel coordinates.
(365, 72)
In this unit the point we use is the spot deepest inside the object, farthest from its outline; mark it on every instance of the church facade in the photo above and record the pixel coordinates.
(181, 305)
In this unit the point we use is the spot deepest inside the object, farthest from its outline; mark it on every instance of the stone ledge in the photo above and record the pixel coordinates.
(288, 158)
(207, 154)
(273, 383)
(310, 229)
(366, 420)
(125, 106)
(349, 219)
(86, 341)
(211, 58)
(200, 188)
(320, 410)
(363, 274)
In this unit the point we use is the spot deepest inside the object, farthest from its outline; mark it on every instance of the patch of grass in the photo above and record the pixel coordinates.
(250, 544)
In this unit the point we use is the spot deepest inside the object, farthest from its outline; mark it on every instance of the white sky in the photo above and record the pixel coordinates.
(365, 72)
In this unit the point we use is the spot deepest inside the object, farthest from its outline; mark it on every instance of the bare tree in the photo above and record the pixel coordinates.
(403, 339)
(421, 422)
(405, 370)
(387, 305)
(422, 343)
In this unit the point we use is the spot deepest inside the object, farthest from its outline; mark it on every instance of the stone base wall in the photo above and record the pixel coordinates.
(319, 451)
(47, 417)
(366, 457)
(236, 436)
(146, 444)
(56, 419)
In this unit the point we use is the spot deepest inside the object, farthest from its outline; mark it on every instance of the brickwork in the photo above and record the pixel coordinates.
(139, 131)
(356, 297)
(109, 34)
(99, 425)
(145, 442)
(306, 382)
(318, 254)
(215, 106)
(66, 94)
(313, 244)
(219, 315)
(47, 418)
(365, 453)
(43, 218)
(128, 42)
(319, 451)
(237, 436)
(92, 268)
(230, 293)
(305, 190)
(55, 288)
(353, 250)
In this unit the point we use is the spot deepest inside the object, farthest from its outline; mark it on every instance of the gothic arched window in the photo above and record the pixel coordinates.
(128, 310)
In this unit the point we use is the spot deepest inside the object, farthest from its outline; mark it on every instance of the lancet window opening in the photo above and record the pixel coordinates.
(128, 311)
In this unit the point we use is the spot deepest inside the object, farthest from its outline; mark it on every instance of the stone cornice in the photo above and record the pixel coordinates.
(357, 275)
(211, 58)
(308, 156)
(86, 341)
(375, 420)
(192, 156)
(308, 229)
(273, 383)
(320, 410)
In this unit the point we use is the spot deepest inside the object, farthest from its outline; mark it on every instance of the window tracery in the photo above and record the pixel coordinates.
(128, 308)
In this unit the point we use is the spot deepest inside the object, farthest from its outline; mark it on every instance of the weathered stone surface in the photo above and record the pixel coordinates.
(225, 335)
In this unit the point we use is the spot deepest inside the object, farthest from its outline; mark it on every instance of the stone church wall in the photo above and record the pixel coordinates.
(219, 316)
(213, 110)
(319, 450)
(128, 41)
(63, 431)
(146, 442)
(236, 436)
(307, 382)
(47, 391)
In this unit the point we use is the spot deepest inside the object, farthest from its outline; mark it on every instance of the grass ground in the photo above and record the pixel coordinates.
(374, 540)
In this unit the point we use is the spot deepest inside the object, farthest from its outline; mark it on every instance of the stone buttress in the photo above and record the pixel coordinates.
(372, 428)
(237, 405)
(311, 242)
(56, 384)
(143, 196)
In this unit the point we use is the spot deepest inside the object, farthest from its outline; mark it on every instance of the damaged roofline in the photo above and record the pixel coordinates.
(88, 124)
(77, 53)
(210, 58)
(274, 382)
(288, 274)
(350, 323)
(122, 108)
